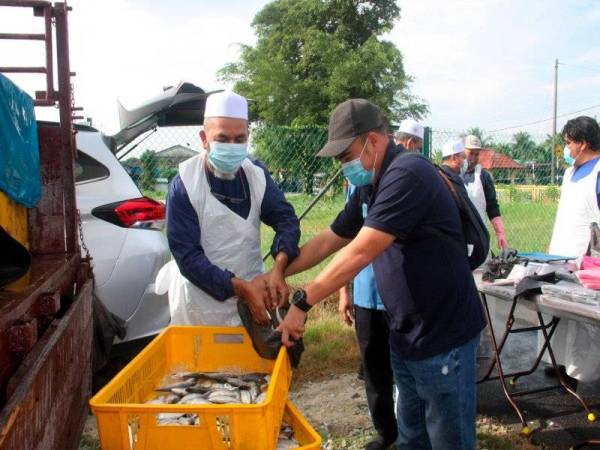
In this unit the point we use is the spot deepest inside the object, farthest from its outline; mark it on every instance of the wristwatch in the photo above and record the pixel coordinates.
(299, 300)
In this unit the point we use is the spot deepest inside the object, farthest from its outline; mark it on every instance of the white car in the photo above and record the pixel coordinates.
(123, 232)
(122, 229)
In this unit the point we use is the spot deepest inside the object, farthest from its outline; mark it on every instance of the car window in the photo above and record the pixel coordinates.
(88, 169)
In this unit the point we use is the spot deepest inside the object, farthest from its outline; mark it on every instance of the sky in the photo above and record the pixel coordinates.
(486, 63)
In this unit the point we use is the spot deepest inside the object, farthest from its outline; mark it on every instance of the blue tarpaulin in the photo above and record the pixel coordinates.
(19, 149)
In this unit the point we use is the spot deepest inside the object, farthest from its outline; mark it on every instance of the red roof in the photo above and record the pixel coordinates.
(492, 159)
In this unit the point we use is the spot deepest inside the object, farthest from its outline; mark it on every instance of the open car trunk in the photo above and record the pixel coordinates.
(181, 105)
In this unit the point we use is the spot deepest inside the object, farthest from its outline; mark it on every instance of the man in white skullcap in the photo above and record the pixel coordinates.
(214, 209)
(454, 160)
(410, 135)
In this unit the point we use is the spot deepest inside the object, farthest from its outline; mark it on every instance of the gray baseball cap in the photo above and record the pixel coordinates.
(472, 142)
(349, 120)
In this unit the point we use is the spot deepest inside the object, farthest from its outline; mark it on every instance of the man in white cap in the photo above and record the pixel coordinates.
(214, 209)
(410, 135)
(454, 160)
(480, 186)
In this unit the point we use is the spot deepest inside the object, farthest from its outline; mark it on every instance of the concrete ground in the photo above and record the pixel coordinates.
(557, 419)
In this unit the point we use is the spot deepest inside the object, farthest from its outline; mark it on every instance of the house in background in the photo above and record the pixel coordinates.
(172, 156)
(503, 168)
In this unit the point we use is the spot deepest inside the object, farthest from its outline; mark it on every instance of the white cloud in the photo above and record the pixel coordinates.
(123, 49)
(487, 63)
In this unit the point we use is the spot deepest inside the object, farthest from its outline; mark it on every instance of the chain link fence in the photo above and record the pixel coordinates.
(520, 163)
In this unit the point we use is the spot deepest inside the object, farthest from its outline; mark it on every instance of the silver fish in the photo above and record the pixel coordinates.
(179, 391)
(193, 399)
(246, 397)
(166, 418)
(171, 398)
(223, 396)
(184, 384)
(261, 398)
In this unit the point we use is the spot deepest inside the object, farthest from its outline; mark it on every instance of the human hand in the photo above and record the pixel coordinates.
(498, 225)
(345, 307)
(502, 242)
(292, 326)
(256, 296)
(277, 289)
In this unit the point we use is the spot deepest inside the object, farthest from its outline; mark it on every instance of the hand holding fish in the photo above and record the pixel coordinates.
(292, 327)
(279, 291)
(256, 295)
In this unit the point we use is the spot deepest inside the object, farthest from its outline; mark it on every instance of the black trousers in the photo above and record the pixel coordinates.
(373, 340)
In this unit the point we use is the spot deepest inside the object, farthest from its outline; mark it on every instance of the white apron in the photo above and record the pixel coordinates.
(228, 240)
(477, 194)
(575, 344)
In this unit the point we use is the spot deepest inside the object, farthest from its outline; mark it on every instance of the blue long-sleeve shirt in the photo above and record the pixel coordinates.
(183, 228)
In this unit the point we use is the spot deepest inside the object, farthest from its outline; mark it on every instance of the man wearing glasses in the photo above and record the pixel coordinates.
(214, 209)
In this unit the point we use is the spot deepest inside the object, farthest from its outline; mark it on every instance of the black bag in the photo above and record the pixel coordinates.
(14, 259)
(476, 238)
(265, 340)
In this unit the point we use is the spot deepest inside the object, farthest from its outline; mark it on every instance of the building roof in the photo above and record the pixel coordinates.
(493, 159)
(176, 151)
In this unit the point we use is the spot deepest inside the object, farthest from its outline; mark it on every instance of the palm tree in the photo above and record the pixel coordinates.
(486, 140)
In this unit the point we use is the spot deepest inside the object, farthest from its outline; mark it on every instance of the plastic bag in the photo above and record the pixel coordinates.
(19, 149)
(265, 340)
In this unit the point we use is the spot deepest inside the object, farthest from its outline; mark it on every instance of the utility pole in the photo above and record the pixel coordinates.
(553, 167)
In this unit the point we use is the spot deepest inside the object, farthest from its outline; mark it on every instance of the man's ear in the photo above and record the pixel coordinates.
(204, 140)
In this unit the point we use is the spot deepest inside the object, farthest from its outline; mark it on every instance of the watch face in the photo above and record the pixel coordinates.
(297, 297)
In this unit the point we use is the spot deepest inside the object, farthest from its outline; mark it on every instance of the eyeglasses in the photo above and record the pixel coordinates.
(227, 198)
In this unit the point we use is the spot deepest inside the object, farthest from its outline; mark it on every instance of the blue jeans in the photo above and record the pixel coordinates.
(437, 400)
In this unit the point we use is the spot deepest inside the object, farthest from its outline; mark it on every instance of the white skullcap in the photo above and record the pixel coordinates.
(452, 148)
(412, 127)
(226, 104)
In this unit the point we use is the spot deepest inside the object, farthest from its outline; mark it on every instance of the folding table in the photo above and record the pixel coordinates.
(547, 328)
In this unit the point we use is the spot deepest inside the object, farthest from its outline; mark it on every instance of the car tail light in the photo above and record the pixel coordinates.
(135, 213)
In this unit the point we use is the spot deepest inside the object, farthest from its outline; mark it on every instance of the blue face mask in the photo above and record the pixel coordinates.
(227, 158)
(464, 167)
(355, 173)
(567, 156)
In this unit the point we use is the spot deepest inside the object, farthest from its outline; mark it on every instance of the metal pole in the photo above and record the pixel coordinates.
(553, 166)
(313, 203)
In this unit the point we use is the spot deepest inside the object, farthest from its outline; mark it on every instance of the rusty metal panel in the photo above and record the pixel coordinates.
(69, 150)
(47, 221)
(49, 277)
(48, 394)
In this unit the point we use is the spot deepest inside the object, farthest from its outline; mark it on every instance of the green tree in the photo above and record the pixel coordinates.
(311, 55)
(524, 147)
(290, 153)
(150, 170)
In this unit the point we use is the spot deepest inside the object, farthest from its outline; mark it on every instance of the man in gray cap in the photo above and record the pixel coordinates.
(480, 186)
(412, 233)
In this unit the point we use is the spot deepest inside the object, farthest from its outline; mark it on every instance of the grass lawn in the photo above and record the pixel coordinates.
(528, 226)
(331, 345)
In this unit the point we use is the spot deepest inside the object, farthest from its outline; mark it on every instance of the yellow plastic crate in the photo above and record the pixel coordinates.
(304, 433)
(125, 422)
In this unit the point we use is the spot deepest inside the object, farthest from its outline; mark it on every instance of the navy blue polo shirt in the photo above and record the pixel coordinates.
(425, 282)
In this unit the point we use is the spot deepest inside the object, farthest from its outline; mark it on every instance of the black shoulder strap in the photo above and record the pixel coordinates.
(450, 185)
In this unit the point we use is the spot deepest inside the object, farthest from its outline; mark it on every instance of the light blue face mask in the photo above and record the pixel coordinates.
(355, 173)
(567, 156)
(464, 167)
(227, 158)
